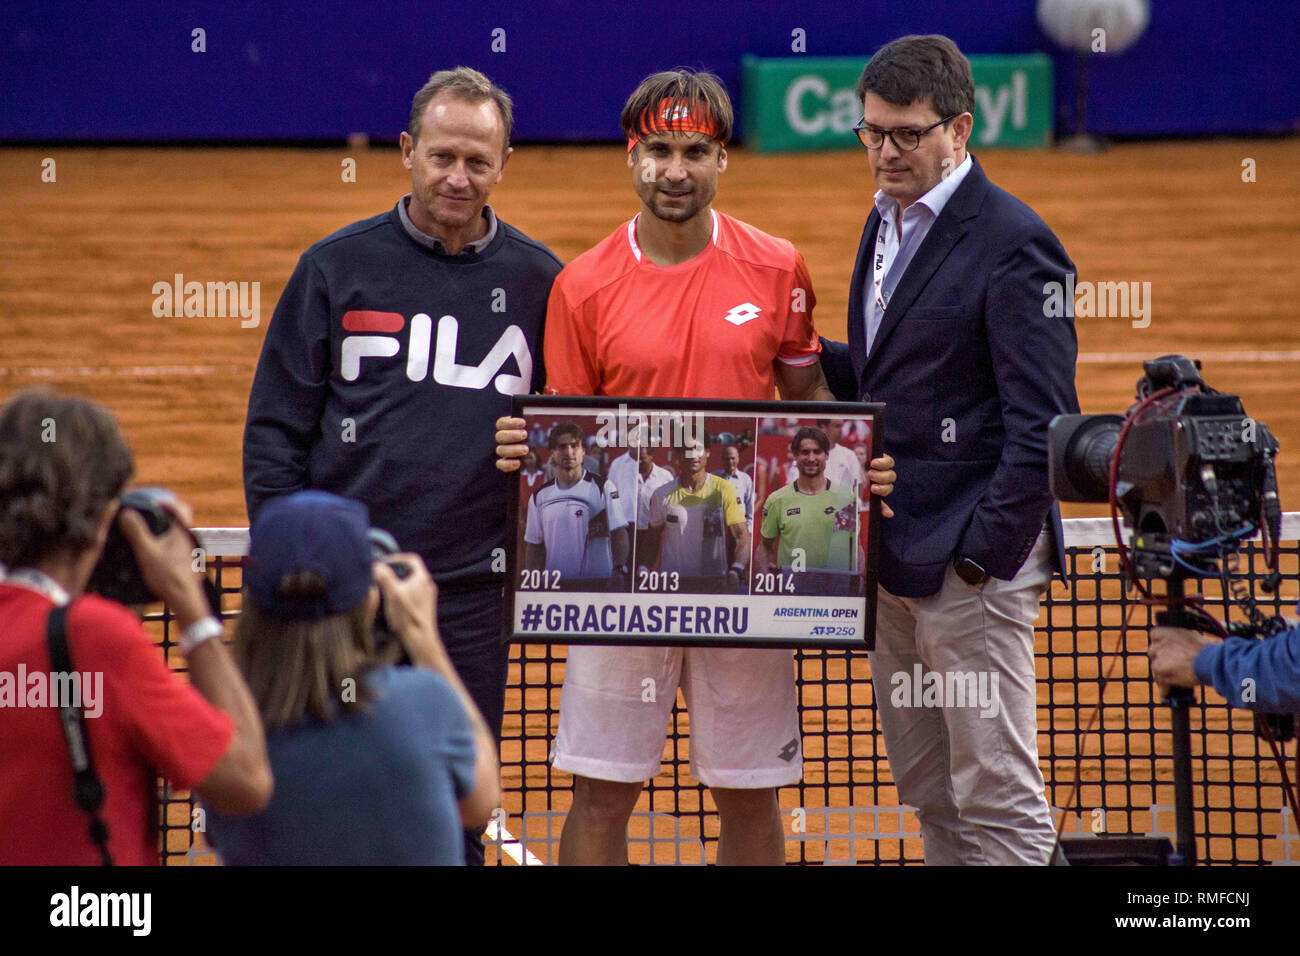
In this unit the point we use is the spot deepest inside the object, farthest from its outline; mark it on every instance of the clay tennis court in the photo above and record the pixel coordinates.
(81, 256)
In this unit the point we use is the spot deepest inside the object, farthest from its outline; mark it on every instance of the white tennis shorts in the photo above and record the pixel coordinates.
(744, 723)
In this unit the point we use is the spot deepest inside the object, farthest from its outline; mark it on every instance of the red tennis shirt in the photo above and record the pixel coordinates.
(711, 327)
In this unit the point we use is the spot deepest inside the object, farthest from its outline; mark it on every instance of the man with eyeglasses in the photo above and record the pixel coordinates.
(948, 325)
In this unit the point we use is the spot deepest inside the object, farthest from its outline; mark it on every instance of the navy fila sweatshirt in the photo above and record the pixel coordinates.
(383, 369)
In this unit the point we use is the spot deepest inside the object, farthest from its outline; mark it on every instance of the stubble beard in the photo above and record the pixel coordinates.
(671, 214)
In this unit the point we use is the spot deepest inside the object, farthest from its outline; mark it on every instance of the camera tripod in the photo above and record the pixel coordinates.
(1180, 702)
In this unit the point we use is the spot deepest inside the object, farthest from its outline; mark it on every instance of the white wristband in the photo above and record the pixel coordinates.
(198, 632)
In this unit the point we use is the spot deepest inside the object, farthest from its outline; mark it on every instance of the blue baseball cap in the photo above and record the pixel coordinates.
(310, 531)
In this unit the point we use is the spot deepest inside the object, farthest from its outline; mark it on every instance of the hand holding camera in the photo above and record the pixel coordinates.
(409, 599)
(154, 525)
(1173, 651)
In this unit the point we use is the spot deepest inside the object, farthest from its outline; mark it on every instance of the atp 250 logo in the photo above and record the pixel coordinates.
(376, 340)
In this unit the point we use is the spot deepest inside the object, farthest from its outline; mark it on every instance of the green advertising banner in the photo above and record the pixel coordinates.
(796, 103)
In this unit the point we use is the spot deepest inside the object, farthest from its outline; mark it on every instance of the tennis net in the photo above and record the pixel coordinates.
(846, 809)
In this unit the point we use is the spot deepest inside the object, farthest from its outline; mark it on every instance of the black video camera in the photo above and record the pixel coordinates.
(1194, 475)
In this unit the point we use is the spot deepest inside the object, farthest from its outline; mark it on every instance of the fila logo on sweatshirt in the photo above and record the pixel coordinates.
(446, 370)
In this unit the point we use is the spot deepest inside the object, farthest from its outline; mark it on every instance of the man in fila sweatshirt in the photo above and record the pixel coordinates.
(396, 341)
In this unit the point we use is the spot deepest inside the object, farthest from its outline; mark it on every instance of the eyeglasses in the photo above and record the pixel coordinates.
(873, 137)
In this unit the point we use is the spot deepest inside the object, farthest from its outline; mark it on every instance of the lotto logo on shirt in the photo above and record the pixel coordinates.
(376, 341)
(740, 314)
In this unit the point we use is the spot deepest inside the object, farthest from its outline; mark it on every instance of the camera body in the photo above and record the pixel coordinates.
(1194, 477)
(117, 574)
(1193, 470)
(388, 645)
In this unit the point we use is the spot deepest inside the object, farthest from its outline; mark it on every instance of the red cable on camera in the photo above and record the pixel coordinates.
(1271, 548)
(1129, 421)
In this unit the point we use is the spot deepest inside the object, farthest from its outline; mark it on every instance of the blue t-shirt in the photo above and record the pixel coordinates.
(1263, 676)
(373, 788)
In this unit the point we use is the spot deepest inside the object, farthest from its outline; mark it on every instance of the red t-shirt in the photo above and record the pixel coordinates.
(711, 327)
(151, 722)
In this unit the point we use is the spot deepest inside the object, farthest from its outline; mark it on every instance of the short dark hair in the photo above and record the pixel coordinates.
(469, 85)
(681, 87)
(566, 428)
(917, 68)
(62, 462)
(816, 434)
(676, 450)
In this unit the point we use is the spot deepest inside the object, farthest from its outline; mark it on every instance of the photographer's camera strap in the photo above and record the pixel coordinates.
(88, 791)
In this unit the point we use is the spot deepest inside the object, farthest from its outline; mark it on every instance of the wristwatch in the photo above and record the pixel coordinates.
(970, 572)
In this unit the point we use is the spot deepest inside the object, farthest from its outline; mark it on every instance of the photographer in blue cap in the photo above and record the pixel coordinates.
(374, 763)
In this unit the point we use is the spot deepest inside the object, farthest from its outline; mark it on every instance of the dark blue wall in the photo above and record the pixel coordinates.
(299, 70)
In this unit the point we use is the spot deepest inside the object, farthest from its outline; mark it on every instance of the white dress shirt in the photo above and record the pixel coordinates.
(915, 225)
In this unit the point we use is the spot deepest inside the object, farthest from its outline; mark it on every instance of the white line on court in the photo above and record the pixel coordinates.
(511, 847)
(1280, 355)
(109, 371)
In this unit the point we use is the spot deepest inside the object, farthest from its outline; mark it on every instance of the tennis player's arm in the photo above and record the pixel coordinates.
(740, 545)
(534, 539)
(651, 539)
(767, 535)
(534, 556)
(797, 369)
(619, 547)
(648, 544)
(570, 370)
(617, 523)
(802, 383)
(733, 515)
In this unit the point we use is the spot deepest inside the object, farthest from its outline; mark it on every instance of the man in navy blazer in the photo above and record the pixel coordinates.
(948, 326)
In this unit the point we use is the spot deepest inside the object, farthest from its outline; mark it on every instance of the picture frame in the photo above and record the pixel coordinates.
(694, 522)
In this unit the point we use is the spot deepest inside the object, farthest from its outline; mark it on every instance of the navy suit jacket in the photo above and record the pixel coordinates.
(972, 369)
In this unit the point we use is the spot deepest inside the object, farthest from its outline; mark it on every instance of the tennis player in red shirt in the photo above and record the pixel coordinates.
(680, 302)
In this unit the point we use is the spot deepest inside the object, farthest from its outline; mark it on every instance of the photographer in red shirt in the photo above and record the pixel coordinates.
(63, 465)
